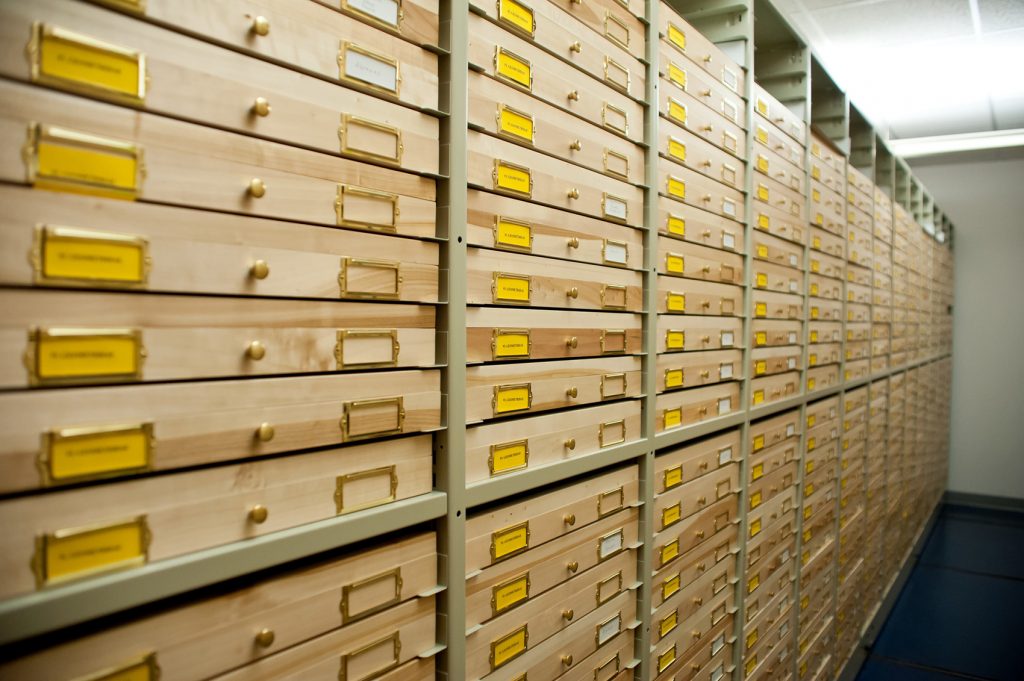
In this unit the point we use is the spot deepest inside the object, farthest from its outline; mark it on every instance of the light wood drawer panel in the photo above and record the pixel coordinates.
(858, 218)
(858, 294)
(507, 447)
(702, 631)
(880, 347)
(546, 517)
(765, 516)
(778, 221)
(775, 540)
(680, 221)
(768, 136)
(679, 409)
(683, 37)
(691, 532)
(772, 431)
(821, 286)
(822, 149)
(311, 597)
(824, 353)
(685, 148)
(688, 297)
(779, 115)
(690, 369)
(523, 280)
(608, 663)
(547, 566)
(768, 389)
(503, 167)
(772, 305)
(824, 332)
(819, 378)
(770, 164)
(191, 511)
(495, 391)
(691, 608)
(179, 337)
(685, 259)
(508, 112)
(858, 275)
(497, 52)
(569, 39)
(207, 168)
(861, 257)
(771, 459)
(779, 251)
(496, 334)
(675, 467)
(772, 333)
(825, 309)
(191, 251)
(827, 242)
(417, 21)
(710, 654)
(612, 19)
(694, 496)
(302, 110)
(827, 265)
(312, 38)
(686, 75)
(772, 277)
(683, 185)
(767, 361)
(719, 551)
(858, 331)
(859, 350)
(684, 109)
(858, 181)
(857, 370)
(174, 425)
(831, 178)
(858, 313)
(769, 192)
(774, 572)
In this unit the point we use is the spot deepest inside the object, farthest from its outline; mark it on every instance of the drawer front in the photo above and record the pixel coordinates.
(506, 447)
(680, 221)
(768, 389)
(683, 109)
(769, 192)
(771, 277)
(772, 305)
(677, 297)
(507, 168)
(778, 221)
(678, 466)
(858, 181)
(501, 390)
(825, 331)
(225, 171)
(824, 353)
(612, 19)
(690, 615)
(778, 251)
(827, 242)
(821, 286)
(688, 568)
(687, 76)
(685, 259)
(680, 36)
(856, 217)
(827, 266)
(779, 115)
(773, 333)
(772, 165)
(514, 61)
(676, 410)
(157, 427)
(825, 309)
(131, 523)
(689, 150)
(768, 361)
(693, 497)
(708, 650)
(859, 350)
(768, 136)
(775, 430)
(770, 460)
(687, 370)
(858, 313)
(523, 280)
(776, 544)
(608, 663)
(765, 516)
(856, 293)
(831, 178)
(690, 532)
(858, 331)
(781, 478)
(857, 370)
(296, 109)
(684, 185)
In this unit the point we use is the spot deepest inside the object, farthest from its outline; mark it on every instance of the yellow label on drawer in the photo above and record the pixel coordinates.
(73, 162)
(513, 68)
(751, 639)
(814, 313)
(762, 163)
(816, 172)
(509, 457)
(814, 289)
(671, 515)
(761, 280)
(512, 178)
(762, 251)
(819, 219)
(669, 587)
(677, 75)
(666, 659)
(676, 187)
(673, 477)
(807, 533)
(675, 340)
(673, 378)
(676, 225)
(811, 420)
(512, 398)
(814, 336)
(758, 396)
(762, 135)
(757, 472)
(668, 623)
(669, 551)
(512, 592)
(677, 111)
(75, 454)
(761, 310)
(760, 367)
(811, 442)
(763, 221)
(755, 527)
(676, 149)
(815, 265)
(677, 37)
(751, 665)
(510, 541)
(511, 288)
(676, 302)
(816, 242)
(517, 15)
(509, 647)
(807, 511)
(809, 467)
(812, 359)
(77, 62)
(512, 344)
(755, 500)
(70, 355)
(762, 192)
(761, 338)
(93, 257)
(675, 264)
(515, 124)
(78, 552)
(673, 417)
(758, 442)
(810, 384)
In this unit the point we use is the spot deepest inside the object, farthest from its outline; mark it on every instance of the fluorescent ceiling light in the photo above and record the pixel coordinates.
(947, 144)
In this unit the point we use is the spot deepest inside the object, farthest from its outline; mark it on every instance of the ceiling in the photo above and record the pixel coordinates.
(921, 67)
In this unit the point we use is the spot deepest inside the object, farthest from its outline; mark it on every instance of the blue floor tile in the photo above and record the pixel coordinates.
(983, 547)
(958, 621)
(884, 670)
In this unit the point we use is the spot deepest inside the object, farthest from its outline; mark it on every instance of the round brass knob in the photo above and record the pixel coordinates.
(707, 128)
(572, 342)
(260, 25)
(574, 96)
(570, 444)
(576, 145)
(707, 58)
(258, 514)
(702, 567)
(573, 193)
(700, 534)
(567, 660)
(576, 47)
(703, 500)
(256, 351)
(259, 270)
(572, 392)
(261, 107)
(573, 292)
(695, 634)
(569, 519)
(257, 188)
(265, 433)
(705, 339)
(705, 373)
(698, 601)
(574, 242)
(572, 566)
(706, 234)
(568, 614)
(265, 638)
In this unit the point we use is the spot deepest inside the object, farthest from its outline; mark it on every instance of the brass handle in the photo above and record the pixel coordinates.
(703, 411)
(567, 660)
(568, 614)
(259, 514)
(706, 234)
(574, 95)
(572, 566)
(574, 242)
(573, 193)
(706, 164)
(265, 433)
(572, 342)
(695, 634)
(570, 444)
(698, 601)
(707, 58)
(265, 638)
(260, 25)
(576, 47)
(576, 145)
(702, 567)
(707, 128)
(261, 107)
(573, 292)
(703, 465)
(571, 392)
(256, 351)
(259, 270)
(706, 198)
(705, 373)
(705, 93)
(569, 519)
(702, 501)
(700, 534)
(257, 188)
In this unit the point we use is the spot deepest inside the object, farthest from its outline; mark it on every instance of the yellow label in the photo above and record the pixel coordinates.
(676, 149)
(758, 396)
(669, 587)
(750, 666)
(755, 527)
(761, 338)
(512, 179)
(762, 163)
(761, 280)
(675, 263)
(677, 37)
(75, 60)
(66, 164)
(816, 195)
(677, 75)
(514, 68)
(751, 639)
(508, 647)
(816, 172)
(811, 420)
(760, 367)
(757, 472)
(762, 192)
(504, 596)
(516, 124)
(91, 256)
(763, 221)
(669, 551)
(512, 288)
(810, 384)
(761, 310)
(671, 515)
(673, 417)
(814, 336)
(674, 378)
(512, 345)
(814, 313)
(676, 187)
(676, 302)
(807, 533)
(811, 442)
(675, 340)
(762, 107)
(509, 457)
(755, 500)
(809, 467)
(85, 355)
(762, 135)
(758, 442)
(819, 219)
(677, 111)
(669, 623)
(516, 14)
(814, 289)
(816, 242)
(673, 477)
(85, 453)
(666, 659)
(807, 512)
(676, 225)
(762, 251)
(815, 265)
(73, 553)
(513, 398)
(812, 359)
(509, 541)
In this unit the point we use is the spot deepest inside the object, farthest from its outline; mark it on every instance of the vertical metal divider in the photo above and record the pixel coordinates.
(450, 466)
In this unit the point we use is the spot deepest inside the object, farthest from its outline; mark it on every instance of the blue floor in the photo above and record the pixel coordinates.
(961, 613)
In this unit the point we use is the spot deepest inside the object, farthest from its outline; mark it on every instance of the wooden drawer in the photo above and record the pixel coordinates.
(857, 370)
(775, 542)
(768, 136)
(499, 278)
(699, 191)
(682, 408)
(686, 75)
(856, 293)
(707, 665)
(681, 465)
(501, 390)
(495, 334)
(858, 313)
(772, 277)
(861, 257)
(772, 431)
(685, 259)
(144, 338)
(827, 266)
(612, 19)
(687, 149)
(858, 331)
(683, 334)
(772, 459)
(690, 532)
(858, 181)
(686, 569)
(510, 113)
(680, 221)
(203, 167)
(684, 38)
(827, 242)
(859, 350)
(677, 296)
(858, 274)
(691, 369)
(548, 27)
(416, 22)
(781, 478)
(822, 148)
(822, 377)
(694, 603)
(75, 533)
(856, 217)
(689, 634)
(769, 192)
(824, 353)
(768, 389)
(687, 657)
(774, 573)
(512, 60)
(831, 178)
(509, 446)
(771, 305)
(693, 497)
(129, 429)
(771, 164)
(608, 663)
(821, 286)
(825, 309)
(507, 168)
(772, 333)
(766, 515)
(296, 606)
(824, 332)
(296, 109)
(779, 115)
(767, 361)
(682, 108)
(505, 531)
(778, 251)
(778, 221)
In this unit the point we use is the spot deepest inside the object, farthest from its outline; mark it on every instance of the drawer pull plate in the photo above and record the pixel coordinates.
(518, 16)
(383, 279)
(616, 30)
(508, 647)
(512, 179)
(512, 398)
(363, 419)
(140, 669)
(369, 140)
(511, 288)
(508, 456)
(616, 75)
(510, 593)
(58, 159)
(510, 343)
(369, 69)
(84, 551)
(513, 69)
(364, 597)
(367, 482)
(366, 209)
(614, 208)
(366, 348)
(614, 385)
(386, 14)
(613, 341)
(515, 124)
(78, 63)
(356, 666)
(608, 496)
(614, 118)
(510, 541)
(613, 297)
(604, 437)
(61, 356)
(78, 454)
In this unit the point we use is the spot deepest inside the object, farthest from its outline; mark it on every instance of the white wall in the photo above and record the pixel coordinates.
(985, 200)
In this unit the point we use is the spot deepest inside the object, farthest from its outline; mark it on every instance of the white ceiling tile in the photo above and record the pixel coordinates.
(998, 15)
(895, 21)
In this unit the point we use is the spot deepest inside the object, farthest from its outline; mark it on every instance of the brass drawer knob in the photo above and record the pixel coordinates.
(570, 444)
(259, 514)
(702, 501)
(574, 95)
(572, 566)
(706, 164)
(574, 242)
(707, 58)
(573, 292)
(572, 392)
(706, 234)
(569, 519)
(256, 351)
(572, 342)
(705, 93)
(698, 601)
(568, 614)
(700, 534)
(259, 270)
(702, 567)
(260, 25)
(705, 373)
(265, 638)
(707, 128)
(265, 433)
(257, 188)
(695, 634)
(573, 193)
(576, 47)
(261, 107)
(567, 660)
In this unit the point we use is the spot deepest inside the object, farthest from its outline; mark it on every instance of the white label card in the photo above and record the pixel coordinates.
(785, 556)
(729, 207)
(384, 11)
(730, 111)
(832, 415)
(615, 253)
(725, 371)
(792, 260)
(790, 430)
(792, 363)
(724, 405)
(792, 285)
(834, 433)
(717, 674)
(727, 339)
(609, 629)
(611, 544)
(371, 70)
(728, 240)
(725, 456)
(729, 78)
(792, 336)
(614, 208)
(717, 644)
